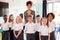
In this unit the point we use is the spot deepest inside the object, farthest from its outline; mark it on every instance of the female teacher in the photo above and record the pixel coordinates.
(29, 11)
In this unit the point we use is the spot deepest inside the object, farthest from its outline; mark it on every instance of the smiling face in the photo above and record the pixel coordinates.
(38, 19)
(11, 18)
(5, 18)
(30, 18)
(44, 21)
(17, 19)
(50, 17)
(29, 6)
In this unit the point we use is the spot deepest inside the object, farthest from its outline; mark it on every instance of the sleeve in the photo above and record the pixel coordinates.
(39, 29)
(34, 15)
(55, 25)
(25, 27)
(22, 26)
(35, 27)
(13, 26)
(49, 30)
(25, 18)
(9, 25)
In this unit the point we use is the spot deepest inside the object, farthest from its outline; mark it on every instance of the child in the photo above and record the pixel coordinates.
(11, 21)
(52, 25)
(17, 28)
(5, 28)
(37, 26)
(44, 30)
(30, 28)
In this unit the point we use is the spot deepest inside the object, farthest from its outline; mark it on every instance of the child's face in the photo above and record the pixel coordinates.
(30, 19)
(44, 21)
(50, 17)
(11, 17)
(38, 19)
(17, 20)
(5, 18)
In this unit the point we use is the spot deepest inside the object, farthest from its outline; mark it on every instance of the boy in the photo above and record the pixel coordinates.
(30, 28)
(5, 28)
(38, 24)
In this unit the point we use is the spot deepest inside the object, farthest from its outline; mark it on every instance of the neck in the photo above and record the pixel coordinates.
(17, 22)
(30, 22)
(29, 9)
(44, 25)
(50, 20)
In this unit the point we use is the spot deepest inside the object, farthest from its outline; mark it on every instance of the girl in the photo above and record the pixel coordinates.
(5, 28)
(38, 24)
(44, 30)
(52, 25)
(17, 28)
(11, 20)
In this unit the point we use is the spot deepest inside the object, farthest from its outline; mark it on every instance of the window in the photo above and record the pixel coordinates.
(55, 8)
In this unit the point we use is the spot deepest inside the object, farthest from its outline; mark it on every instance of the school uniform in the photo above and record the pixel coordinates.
(37, 31)
(10, 30)
(44, 30)
(52, 26)
(30, 31)
(16, 28)
(5, 33)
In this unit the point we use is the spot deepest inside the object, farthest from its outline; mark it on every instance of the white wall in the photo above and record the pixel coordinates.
(19, 6)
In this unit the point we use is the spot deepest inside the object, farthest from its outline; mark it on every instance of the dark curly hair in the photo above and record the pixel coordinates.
(29, 2)
(51, 14)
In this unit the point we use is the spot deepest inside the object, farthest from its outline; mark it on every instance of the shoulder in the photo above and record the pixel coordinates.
(26, 24)
(32, 10)
(25, 12)
(53, 22)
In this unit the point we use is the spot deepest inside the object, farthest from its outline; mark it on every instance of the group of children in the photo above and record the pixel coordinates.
(43, 29)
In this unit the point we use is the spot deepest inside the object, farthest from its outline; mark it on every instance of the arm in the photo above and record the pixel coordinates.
(48, 36)
(14, 33)
(19, 32)
(25, 18)
(34, 16)
(39, 35)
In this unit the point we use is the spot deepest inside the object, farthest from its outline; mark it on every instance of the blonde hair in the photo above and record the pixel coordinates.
(19, 18)
(47, 21)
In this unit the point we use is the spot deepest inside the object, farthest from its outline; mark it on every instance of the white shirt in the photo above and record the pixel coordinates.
(30, 28)
(10, 25)
(52, 26)
(44, 30)
(17, 27)
(5, 26)
(38, 26)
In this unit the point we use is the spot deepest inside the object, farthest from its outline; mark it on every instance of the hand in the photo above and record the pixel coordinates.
(40, 39)
(48, 39)
(16, 37)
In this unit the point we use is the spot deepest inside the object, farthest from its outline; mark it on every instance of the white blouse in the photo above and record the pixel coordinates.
(30, 28)
(17, 27)
(38, 26)
(10, 25)
(52, 26)
(44, 30)
(5, 26)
